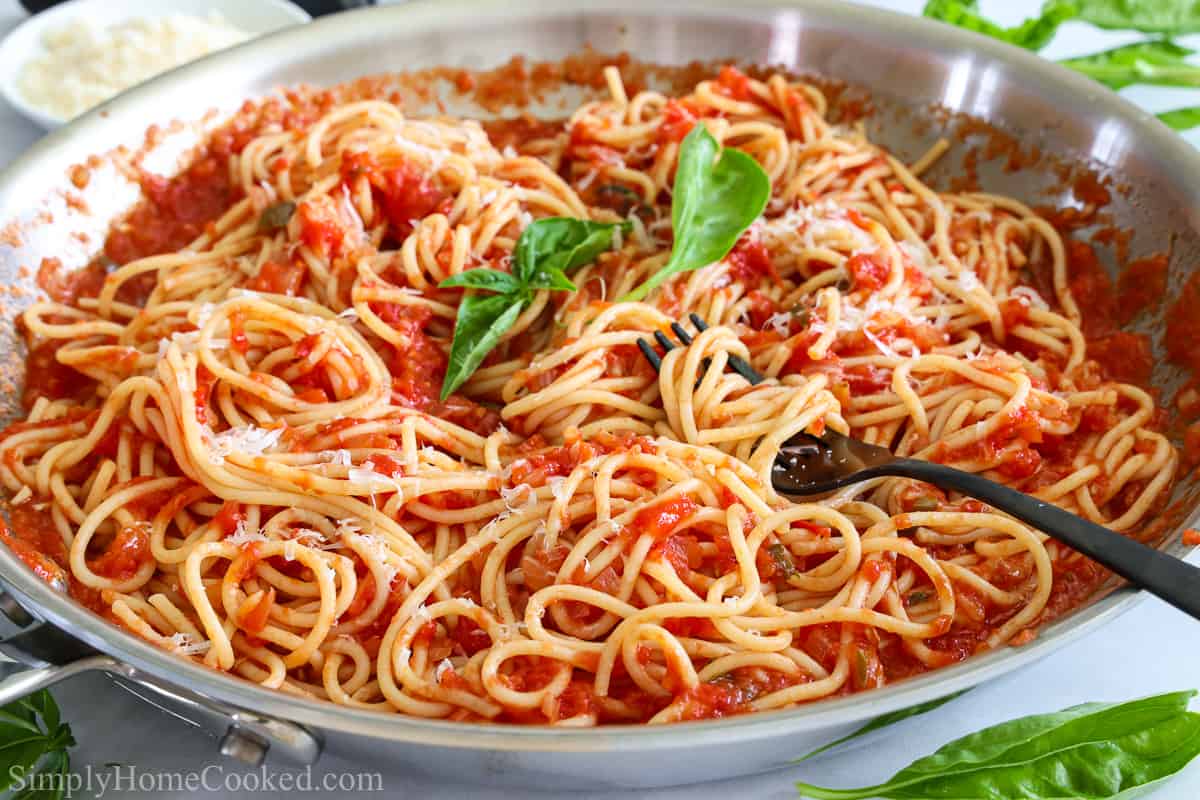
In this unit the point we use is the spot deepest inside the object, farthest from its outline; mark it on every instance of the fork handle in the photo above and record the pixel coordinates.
(1163, 575)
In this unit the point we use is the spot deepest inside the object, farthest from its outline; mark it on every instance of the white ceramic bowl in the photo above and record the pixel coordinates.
(256, 17)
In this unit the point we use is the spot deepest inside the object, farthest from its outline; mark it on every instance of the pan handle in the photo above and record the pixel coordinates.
(41, 655)
(21, 682)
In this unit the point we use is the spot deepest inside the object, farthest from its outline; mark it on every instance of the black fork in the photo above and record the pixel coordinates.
(739, 364)
(810, 465)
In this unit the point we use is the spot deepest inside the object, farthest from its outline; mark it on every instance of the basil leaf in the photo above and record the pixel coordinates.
(783, 562)
(1181, 119)
(19, 754)
(1171, 17)
(553, 279)
(559, 244)
(1160, 63)
(23, 741)
(1032, 34)
(482, 320)
(19, 716)
(275, 217)
(546, 251)
(713, 202)
(493, 280)
(42, 703)
(1095, 750)
(884, 721)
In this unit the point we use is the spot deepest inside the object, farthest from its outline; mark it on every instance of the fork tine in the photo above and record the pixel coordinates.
(651, 356)
(739, 364)
(745, 370)
(682, 333)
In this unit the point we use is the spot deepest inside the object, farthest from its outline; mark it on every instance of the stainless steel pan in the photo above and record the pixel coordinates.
(908, 64)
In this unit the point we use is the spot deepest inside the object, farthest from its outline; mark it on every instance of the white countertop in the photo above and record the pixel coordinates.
(1151, 649)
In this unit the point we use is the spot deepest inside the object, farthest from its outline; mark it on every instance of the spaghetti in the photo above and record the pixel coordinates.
(236, 449)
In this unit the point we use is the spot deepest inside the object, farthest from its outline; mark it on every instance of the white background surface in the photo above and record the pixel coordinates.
(1152, 648)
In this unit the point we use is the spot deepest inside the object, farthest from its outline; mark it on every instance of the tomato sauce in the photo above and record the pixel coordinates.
(405, 191)
(677, 122)
(252, 617)
(515, 132)
(560, 461)
(277, 278)
(734, 84)
(174, 211)
(229, 518)
(35, 540)
(750, 262)
(47, 377)
(1092, 289)
(1183, 325)
(659, 519)
(1141, 286)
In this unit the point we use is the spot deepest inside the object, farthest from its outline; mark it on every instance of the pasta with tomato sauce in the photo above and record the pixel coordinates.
(236, 445)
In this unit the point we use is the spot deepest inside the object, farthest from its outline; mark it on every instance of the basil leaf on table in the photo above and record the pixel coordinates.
(1032, 34)
(1181, 119)
(1094, 750)
(884, 721)
(547, 250)
(1171, 17)
(1161, 63)
(714, 200)
(31, 728)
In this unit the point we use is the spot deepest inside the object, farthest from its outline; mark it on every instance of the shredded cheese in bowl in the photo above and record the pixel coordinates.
(83, 64)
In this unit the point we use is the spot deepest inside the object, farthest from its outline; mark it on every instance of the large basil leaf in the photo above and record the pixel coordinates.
(1091, 751)
(713, 202)
(482, 320)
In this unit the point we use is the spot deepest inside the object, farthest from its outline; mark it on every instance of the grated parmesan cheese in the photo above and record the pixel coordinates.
(510, 495)
(247, 440)
(780, 322)
(84, 64)
(369, 479)
(556, 488)
(242, 536)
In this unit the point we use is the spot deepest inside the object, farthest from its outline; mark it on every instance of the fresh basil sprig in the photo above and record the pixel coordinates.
(547, 251)
(713, 201)
(1032, 34)
(1171, 17)
(1181, 119)
(1159, 62)
(884, 721)
(1090, 751)
(32, 732)
(1155, 61)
